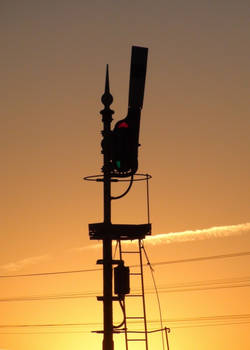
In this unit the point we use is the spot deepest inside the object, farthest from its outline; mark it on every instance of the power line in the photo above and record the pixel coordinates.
(170, 288)
(222, 256)
(36, 333)
(173, 320)
(49, 273)
(49, 325)
(205, 287)
(212, 324)
(208, 318)
(88, 332)
(51, 297)
(202, 288)
(208, 282)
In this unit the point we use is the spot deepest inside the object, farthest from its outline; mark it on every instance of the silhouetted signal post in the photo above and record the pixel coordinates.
(120, 155)
(107, 99)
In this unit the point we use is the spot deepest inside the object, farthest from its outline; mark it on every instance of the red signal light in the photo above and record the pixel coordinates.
(124, 147)
(123, 125)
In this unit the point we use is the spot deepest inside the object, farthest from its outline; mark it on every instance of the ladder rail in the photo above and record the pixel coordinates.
(142, 296)
(124, 304)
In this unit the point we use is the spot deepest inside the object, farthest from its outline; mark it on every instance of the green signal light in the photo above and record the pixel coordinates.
(118, 164)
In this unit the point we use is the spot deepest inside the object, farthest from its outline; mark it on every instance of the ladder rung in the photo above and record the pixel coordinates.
(135, 273)
(130, 252)
(134, 339)
(134, 295)
(135, 317)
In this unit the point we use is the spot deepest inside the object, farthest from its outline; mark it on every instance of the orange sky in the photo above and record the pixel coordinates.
(195, 143)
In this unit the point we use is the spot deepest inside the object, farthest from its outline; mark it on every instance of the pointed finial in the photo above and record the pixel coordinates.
(107, 98)
(107, 80)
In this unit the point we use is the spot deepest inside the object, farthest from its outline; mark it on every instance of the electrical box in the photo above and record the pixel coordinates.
(121, 275)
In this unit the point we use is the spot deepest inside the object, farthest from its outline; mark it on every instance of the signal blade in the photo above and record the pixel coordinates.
(138, 70)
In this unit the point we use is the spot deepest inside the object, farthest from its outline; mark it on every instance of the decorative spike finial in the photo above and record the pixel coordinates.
(107, 98)
(107, 80)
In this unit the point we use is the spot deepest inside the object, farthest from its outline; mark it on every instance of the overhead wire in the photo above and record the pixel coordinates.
(89, 331)
(222, 256)
(214, 281)
(202, 288)
(212, 325)
(224, 318)
(50, 273)
(169, 288)
(41, 333)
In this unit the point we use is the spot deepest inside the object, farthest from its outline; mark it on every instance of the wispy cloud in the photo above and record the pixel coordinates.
(164, 238)
(188, 235)
(20, 264)
(202, 234)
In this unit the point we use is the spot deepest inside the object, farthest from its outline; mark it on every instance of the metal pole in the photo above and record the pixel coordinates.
(108, 343)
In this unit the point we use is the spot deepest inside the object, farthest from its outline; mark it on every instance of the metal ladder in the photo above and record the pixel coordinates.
(142, 317)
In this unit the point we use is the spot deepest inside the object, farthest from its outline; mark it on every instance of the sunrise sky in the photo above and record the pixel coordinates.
(195, 144)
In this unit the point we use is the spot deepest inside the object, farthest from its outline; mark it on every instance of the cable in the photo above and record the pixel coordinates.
(36, 333)
(223, 256)
(51, 297)
(127, 190)
(212, 325)
(201, 325)
(156, 291)
(50, 325)
(207, 318)
(207, 282)
(88, 332)
(170, 288)
(174, 320)
(123, 313)
(203, 288)
(93, 294)
(50, 273)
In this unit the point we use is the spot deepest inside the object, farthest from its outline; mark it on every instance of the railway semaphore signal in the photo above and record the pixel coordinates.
(125, 135)
(120, 161)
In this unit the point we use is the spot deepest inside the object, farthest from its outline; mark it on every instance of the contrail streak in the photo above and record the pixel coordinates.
(20, 264)
(194, 235)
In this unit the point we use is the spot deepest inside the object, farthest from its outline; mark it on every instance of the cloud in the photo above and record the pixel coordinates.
(83, 248)
(20, 264)
(195, 235)
(188, 235)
